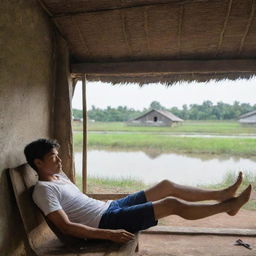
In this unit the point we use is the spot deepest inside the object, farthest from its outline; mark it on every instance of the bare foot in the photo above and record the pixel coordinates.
(229, 192)
(239, 201)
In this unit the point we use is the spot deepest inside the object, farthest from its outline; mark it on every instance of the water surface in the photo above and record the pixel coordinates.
(184, 169)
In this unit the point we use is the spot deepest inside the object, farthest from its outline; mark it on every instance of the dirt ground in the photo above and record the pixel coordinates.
(174, 245)
(189, 245)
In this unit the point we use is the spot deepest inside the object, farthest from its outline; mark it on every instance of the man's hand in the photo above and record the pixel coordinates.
(120, 236)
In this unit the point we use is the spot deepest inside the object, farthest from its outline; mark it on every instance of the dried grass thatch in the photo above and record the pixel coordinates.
(124, 31)
(169, 79)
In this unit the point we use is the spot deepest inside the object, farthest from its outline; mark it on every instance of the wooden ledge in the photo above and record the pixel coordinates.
(200, 231)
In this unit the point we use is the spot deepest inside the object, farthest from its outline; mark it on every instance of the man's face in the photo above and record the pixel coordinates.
(51, 163)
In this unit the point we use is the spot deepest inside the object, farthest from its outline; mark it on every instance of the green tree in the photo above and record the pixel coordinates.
(156, 105)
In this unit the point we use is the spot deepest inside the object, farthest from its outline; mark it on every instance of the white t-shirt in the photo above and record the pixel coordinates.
(59, 194)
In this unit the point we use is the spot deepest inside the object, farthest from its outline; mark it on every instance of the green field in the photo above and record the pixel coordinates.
(165, 143)
(158, 139)
(188, 127)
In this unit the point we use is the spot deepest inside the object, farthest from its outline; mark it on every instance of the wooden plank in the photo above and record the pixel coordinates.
(200, 231)
(164, 67)
(84, 170)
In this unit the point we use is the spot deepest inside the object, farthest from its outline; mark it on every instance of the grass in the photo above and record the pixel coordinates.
(130, 185)
(202, 127)
(165, 143)
(111, 185)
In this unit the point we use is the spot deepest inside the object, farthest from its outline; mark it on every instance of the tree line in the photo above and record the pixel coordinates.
(205, 111)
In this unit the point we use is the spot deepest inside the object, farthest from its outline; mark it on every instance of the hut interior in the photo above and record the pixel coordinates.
(46, 45)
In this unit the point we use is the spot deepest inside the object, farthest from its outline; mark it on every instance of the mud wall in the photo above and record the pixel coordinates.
(27, 78)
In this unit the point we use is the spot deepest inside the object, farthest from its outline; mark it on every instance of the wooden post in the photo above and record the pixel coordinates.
(74, 82)
(62, 112)
(84, 171)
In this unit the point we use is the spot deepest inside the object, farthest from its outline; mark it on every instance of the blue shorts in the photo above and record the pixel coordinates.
(132, 213)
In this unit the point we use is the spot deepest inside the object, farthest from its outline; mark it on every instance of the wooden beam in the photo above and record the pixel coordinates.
(84, 171)
(200, 231)
(165, 67)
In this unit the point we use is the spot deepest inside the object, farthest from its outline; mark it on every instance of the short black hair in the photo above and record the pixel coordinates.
(38, 149)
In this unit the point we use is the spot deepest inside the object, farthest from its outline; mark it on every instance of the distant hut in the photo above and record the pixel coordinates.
(156, 118)
(79, 120)
(248, 118)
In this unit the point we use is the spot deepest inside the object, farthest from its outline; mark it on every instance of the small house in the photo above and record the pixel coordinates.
(156, 118)
(248, 118)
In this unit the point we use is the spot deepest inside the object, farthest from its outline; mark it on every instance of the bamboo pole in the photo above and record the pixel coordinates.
(84, 170)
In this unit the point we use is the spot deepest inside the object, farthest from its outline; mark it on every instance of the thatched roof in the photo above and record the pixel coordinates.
(170, 116)
(153, 31)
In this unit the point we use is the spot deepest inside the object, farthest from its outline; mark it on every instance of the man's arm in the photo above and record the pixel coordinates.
(60, 219)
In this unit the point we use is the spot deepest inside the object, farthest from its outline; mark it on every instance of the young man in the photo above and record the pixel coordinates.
(77, 215)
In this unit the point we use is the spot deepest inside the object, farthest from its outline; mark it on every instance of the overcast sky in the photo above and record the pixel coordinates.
(102, 95)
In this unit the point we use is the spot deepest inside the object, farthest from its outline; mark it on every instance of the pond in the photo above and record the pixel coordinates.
(151, 168)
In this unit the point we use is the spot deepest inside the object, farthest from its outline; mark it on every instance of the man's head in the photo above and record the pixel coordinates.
(43, 153)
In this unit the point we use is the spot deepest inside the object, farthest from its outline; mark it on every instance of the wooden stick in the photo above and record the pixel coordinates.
(224, 26)
(146, 27)
(200, 231)
(181, 17)
(249, 24)
(74, 82)
(129, 6)
(124, 30)
(81, 36)
(84, 170)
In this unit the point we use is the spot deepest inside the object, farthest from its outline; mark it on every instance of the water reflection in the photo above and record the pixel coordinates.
(189, 169)
(153, 154)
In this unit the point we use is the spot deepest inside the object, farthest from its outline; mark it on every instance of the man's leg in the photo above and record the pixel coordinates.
(168, 188)
(193, 211)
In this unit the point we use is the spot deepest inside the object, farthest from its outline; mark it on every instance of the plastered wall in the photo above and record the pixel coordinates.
(27, 75)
